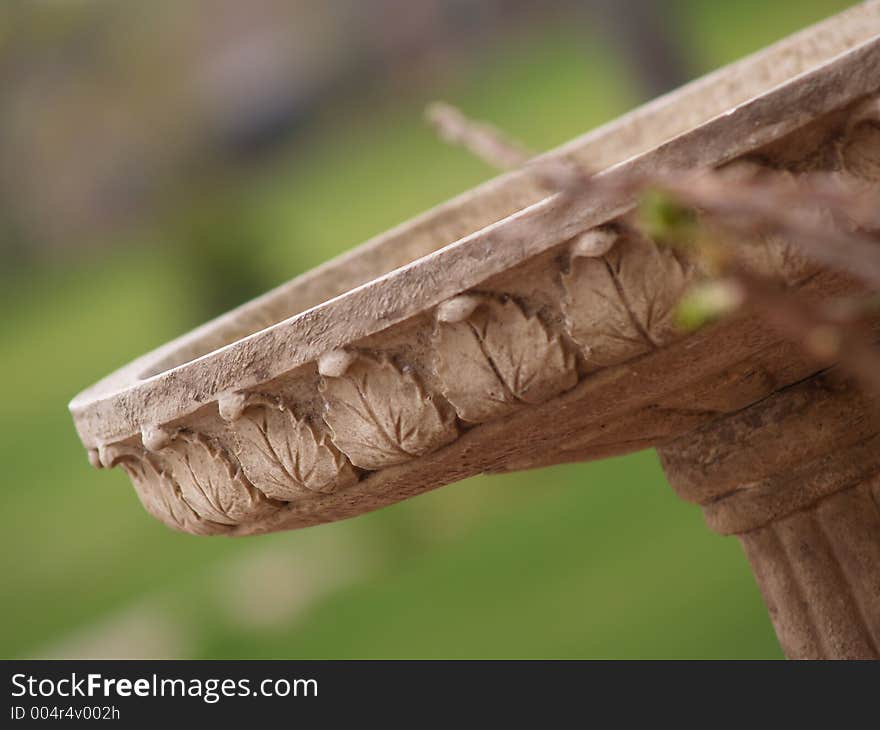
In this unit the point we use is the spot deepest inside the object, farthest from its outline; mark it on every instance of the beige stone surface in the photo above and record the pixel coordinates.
(797, 477)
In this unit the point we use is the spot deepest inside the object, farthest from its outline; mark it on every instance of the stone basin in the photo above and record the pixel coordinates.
(511, 328)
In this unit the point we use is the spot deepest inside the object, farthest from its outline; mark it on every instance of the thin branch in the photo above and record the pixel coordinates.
(481, 139)
(489, 144)
(776, 202)
(749, 205)
(825, 338)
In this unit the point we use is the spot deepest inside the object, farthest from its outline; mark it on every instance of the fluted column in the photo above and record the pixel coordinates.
(796, 477)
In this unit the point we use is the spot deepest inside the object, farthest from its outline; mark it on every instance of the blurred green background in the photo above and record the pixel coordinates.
(137, 139)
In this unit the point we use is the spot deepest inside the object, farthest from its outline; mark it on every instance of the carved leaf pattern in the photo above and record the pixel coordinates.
(160, 495)
(860, 153)
(380, 416)
(620, 305)
(284, 458)
(499, 358)
(772, 255)
(211, 483)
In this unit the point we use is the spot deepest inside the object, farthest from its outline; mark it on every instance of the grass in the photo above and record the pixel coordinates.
(594, 560)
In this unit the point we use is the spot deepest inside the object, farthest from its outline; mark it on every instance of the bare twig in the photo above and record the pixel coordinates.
(489, 144)
(481, 139)
(775, 202)
(747, 205)
(827, 339)
(750, 207)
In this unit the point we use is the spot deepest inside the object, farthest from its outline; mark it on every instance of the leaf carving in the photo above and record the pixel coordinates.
(211, 483)
(159, 494)
(620, 305)
(497, 359)
(284, 458)
(860, 151)
(768, 252)
(380, 416)
(771, 255)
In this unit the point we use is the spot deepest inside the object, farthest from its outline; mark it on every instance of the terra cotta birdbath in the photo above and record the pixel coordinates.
(504, 330)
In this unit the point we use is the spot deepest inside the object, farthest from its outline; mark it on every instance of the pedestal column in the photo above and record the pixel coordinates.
(796, 477)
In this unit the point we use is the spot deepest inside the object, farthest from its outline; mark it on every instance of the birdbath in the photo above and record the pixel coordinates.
(510, 329)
